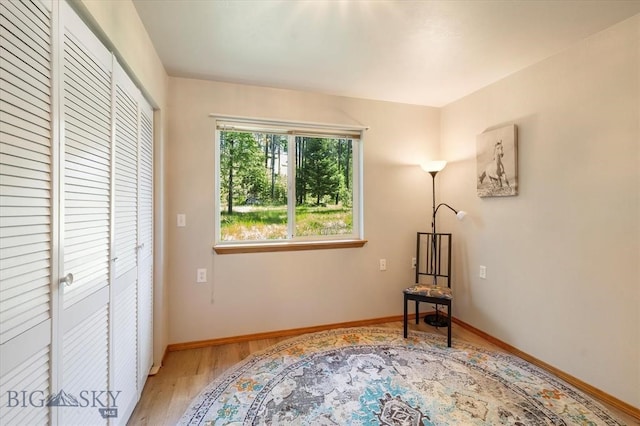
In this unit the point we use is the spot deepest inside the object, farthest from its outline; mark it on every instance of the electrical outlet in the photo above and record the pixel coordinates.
(413, 263)
(201, 275)
(483, 272)
(383, 264)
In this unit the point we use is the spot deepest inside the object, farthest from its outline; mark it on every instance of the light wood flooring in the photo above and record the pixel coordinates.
(185, 373)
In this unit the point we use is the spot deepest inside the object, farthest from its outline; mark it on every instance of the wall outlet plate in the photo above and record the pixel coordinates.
(383, 264)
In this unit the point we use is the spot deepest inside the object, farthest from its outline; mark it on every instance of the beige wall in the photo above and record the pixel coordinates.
(563, 257)
(118, 23)
(252, 293)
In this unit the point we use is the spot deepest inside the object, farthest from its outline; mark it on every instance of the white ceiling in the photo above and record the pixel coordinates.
(419, 52)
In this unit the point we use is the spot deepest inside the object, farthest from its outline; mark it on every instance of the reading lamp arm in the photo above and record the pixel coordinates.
(446, 205)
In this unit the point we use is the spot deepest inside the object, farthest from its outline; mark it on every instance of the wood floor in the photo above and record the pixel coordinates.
(185, 373)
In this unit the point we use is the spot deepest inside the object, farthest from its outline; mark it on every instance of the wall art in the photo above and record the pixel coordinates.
(497, 162)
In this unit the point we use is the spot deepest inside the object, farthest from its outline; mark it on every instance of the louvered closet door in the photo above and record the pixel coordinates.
(26, 210)
(145, 239)
(124, 352)
(86, 167)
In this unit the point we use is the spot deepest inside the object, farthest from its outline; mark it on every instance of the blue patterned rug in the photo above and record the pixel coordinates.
(372, 376)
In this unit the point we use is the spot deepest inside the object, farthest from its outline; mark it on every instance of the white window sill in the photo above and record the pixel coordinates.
(286, 246)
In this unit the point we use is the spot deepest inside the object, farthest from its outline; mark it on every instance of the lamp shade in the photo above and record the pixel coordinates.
(434, 166)
(461, 214)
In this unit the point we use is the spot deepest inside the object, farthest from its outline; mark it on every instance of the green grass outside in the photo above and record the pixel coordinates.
(270, 222)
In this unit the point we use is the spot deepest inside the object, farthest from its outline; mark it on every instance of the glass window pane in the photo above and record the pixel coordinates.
(253, 186)
(324, 186)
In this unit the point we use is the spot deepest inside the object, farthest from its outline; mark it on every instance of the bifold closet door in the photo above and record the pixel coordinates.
(131, 314)
(124, 349)
(86, 166)
(27, 208)
(76, 223)
(145, 246)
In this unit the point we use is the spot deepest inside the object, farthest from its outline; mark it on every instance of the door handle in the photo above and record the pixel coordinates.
(67, 280)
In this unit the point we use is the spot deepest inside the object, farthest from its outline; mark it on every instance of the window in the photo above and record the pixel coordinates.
(286, 182)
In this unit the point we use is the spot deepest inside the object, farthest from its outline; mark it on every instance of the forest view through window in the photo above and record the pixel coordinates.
(283, 184)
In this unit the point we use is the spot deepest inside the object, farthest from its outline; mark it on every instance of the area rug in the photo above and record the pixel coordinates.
(373, 376)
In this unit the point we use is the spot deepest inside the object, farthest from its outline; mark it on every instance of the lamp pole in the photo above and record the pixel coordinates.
(433, 174)
(433, 168)
(434, 320)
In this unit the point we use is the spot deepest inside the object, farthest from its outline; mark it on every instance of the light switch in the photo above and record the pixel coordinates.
(182, 220)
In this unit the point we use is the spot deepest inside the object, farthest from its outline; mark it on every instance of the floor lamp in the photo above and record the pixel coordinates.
(433, 167)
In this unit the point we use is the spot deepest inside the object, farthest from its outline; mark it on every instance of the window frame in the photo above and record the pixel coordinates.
(292, 129)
